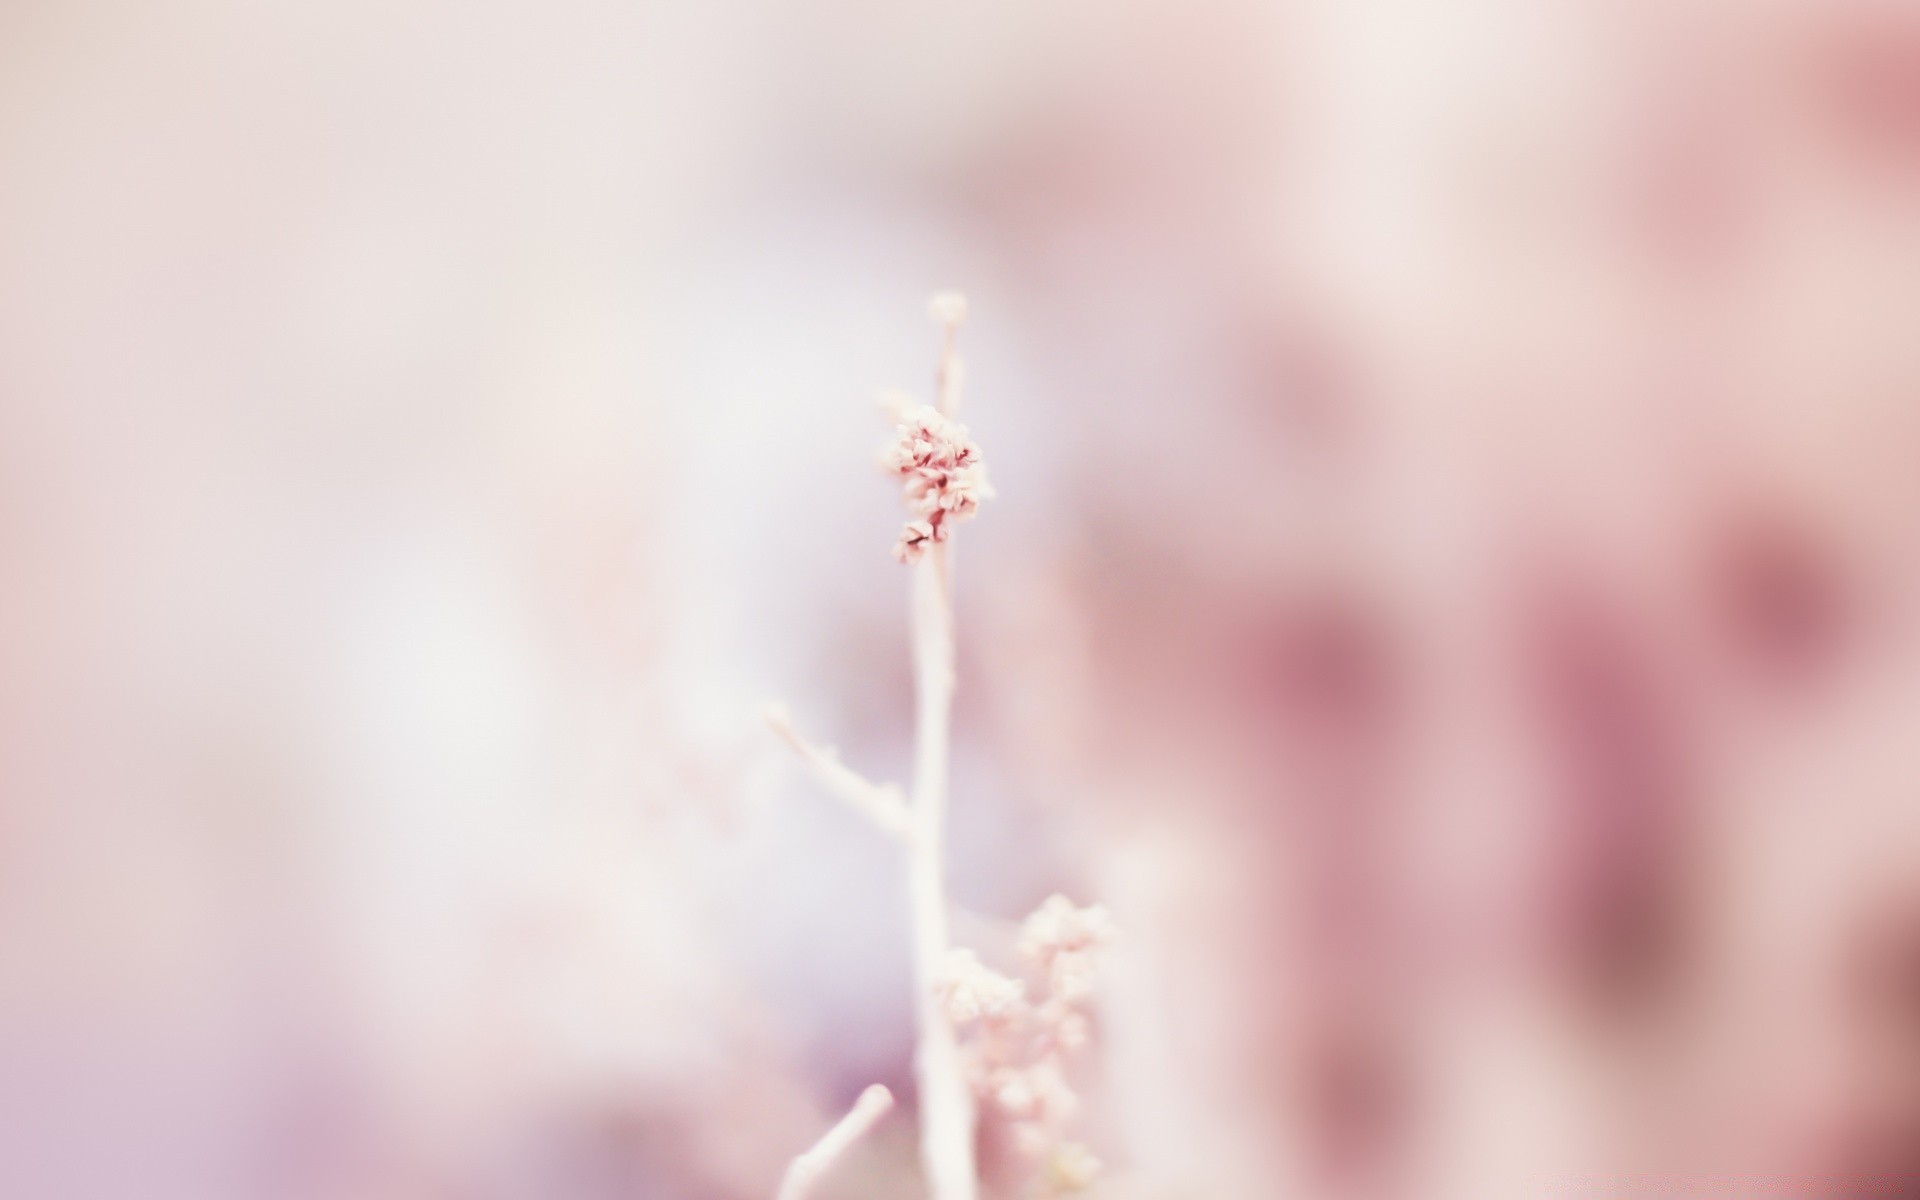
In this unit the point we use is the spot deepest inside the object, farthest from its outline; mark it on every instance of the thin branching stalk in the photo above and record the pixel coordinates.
(946, 1097)
(944, 484)
(880, 803)
(807, 1169)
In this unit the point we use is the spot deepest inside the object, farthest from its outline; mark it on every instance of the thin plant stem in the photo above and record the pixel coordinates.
(880, 803)
(946, 1096)
(807, 1169)
(946, 1100)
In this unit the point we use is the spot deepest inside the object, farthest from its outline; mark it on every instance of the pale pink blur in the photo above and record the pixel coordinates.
(1453, 590)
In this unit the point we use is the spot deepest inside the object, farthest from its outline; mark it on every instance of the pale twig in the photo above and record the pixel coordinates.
(949, 310)
(946, 1097)
(880, 803)
(807, 1169)
(945, 483)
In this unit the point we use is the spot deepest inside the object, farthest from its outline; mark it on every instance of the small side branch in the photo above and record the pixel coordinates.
(880, 803)
(809, 1167)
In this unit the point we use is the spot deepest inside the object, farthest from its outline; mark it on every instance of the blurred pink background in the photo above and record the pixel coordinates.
(1453, 591)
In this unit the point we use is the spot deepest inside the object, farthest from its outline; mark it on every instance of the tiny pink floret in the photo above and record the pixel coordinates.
(943, 478)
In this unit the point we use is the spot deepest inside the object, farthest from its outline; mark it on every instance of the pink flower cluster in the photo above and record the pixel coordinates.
(1016, 1045)
(1062, 939)
(945, 481)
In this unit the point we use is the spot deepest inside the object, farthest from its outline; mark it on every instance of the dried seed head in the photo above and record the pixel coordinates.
(943, 478)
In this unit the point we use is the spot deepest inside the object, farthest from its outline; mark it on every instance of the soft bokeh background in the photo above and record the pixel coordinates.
(1452, 591)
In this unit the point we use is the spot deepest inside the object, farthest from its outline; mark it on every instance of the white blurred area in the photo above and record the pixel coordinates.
(1451, 590)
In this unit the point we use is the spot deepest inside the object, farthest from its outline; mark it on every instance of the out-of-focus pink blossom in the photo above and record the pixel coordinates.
(1017, 1044)
(977, 992)
(1060, 925)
